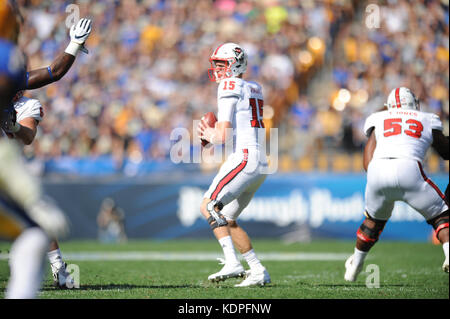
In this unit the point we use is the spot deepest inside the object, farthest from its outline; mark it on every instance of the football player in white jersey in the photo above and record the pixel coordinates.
(29, 114)
(398, 140)
(240, 106)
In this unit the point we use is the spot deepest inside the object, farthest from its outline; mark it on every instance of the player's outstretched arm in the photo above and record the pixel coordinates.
(44, 76)
(441, 144)
(369, 149)
(63, 62)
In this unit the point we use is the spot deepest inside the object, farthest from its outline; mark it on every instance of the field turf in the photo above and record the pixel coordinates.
(407, 271)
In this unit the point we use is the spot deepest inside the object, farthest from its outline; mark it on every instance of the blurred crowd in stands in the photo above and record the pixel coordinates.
(322, 71)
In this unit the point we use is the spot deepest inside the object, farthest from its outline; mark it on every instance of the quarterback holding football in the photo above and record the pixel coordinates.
(239, 116)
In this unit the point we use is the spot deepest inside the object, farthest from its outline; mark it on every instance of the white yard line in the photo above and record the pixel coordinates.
(186, 256)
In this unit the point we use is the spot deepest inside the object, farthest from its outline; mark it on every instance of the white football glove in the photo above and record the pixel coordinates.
(80, 32)
(78, 35)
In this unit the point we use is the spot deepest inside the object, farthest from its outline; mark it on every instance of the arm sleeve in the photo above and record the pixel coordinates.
(226, 107)
(32, 108)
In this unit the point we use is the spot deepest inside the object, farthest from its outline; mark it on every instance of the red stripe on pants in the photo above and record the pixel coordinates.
(426, 179)
(229, 177)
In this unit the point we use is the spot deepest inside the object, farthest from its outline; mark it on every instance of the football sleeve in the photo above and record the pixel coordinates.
(369, 124)
(436, 123)
(226, 106)
(32, 108)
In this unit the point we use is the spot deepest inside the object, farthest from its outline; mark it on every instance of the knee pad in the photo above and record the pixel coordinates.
(440, 222)
(370, 235)
(216, 219)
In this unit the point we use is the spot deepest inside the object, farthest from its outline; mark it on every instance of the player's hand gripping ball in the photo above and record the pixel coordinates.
(207, 123)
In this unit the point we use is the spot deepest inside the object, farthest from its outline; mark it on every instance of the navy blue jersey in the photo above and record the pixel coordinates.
(13, 64)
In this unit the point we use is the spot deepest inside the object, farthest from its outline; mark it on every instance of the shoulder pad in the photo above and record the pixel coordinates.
(435, 121)
(370, 123)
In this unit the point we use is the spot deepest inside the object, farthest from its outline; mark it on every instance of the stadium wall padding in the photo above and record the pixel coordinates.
(295, 207)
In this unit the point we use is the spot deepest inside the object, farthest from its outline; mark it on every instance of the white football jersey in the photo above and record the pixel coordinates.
(26, 107)
(246, 116)
(402, 133)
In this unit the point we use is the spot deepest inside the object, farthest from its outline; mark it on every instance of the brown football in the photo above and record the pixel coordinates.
(211, 119)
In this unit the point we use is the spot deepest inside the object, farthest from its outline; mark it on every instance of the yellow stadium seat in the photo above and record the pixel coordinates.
(340, 163)
(305, 164)
(322, 163)
(286, 163)
(357, 163)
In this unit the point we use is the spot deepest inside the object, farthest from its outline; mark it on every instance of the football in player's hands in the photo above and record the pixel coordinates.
(210, 119)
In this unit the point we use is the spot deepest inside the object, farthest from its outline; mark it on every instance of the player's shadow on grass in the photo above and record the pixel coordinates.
(349, 285)
(123, 286)
(363, 285)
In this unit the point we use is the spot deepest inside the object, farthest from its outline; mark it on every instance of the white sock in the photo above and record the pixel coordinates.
(228, 250)
(55, 258)
(26, 260)
(445, 247)
(359, 256)
(251, 259)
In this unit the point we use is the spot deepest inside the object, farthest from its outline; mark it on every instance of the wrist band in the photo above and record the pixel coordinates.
(73, 48)
(50, 72)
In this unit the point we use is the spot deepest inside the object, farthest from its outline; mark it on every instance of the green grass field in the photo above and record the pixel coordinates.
(406, 270)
